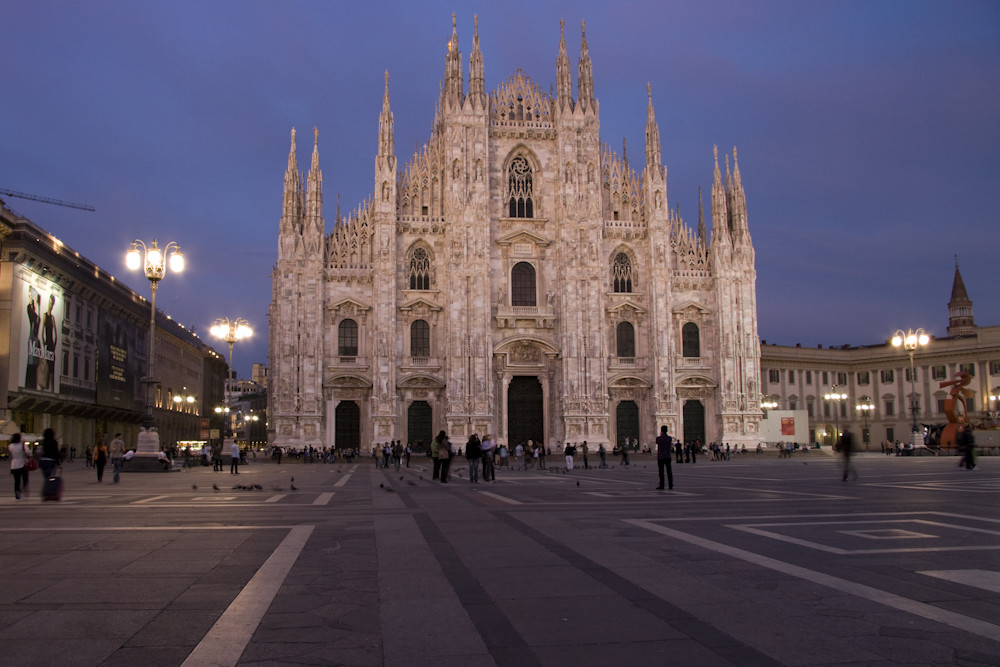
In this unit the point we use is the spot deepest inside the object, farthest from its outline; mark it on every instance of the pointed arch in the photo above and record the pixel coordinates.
(419, 263)
(521, 170)
(623, 271)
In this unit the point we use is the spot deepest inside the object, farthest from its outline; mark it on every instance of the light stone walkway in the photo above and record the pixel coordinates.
(755, 561)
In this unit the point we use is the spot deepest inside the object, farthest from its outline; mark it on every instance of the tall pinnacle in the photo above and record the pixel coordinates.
(477, 70)
(453, 82)
(586, 78)
(653, 157)
(314, 189)
(386, 144)
(290, 204)
(564, 79)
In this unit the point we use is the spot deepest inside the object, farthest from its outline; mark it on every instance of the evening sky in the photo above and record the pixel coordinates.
(868, 133)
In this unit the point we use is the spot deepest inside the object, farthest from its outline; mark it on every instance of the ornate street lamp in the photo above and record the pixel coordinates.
(231, 331)
(154, 262)
(910, 341)
(865, 409)
(835, 396)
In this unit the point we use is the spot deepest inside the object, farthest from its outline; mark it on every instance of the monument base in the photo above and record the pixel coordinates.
(146, 464)
(147, 453)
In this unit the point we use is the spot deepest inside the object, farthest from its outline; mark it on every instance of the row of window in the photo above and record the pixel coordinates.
(522, 277)
(888, 408)
(420, 339)
(863, 378)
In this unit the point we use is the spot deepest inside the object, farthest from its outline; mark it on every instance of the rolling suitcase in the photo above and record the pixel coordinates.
(52, 488)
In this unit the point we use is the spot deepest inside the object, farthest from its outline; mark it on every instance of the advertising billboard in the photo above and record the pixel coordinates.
(118, 365)
(38, 309)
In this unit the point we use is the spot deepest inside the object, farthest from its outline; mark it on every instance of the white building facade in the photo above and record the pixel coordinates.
(514, 277)
(885, 395)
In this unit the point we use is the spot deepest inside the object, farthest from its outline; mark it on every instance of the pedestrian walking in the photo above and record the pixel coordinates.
(967, 445)
(624, 453)
(569, 452)
(846, 445)
(473, 452)
(603, 453)
(100, 460)
(50, 453)
(444, 455)
(541, 455)
(664, 449)
(488, 448)
(234, 455)
(19, 453)
(116, 450)
(584, 449)
(435, 449)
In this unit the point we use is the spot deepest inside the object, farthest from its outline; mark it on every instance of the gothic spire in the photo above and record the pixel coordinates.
(586, 78)
(720, 212)
(564, 79)
(702, 232)
(314, 184)
(960, 319)
(477, 70)
(453, 83)
(290, 204)
(386, 143)
(653, 157)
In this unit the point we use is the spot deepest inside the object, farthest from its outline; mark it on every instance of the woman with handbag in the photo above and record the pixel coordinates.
(444, 455)
(20, 458)
(100, 460)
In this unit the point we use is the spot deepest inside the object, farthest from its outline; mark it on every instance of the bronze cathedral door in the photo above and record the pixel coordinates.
(525, 413)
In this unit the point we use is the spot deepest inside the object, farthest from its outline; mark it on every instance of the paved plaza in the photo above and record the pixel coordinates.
(754, 561)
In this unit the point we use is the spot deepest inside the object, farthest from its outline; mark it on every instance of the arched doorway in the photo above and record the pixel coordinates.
(694, 421)
(627, 420)
(525, 411)
(347, 426)
(418, 424)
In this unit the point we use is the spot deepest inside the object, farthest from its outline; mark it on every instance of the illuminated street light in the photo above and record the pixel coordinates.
(154, 262)
(231, 331)
(910, 341)
(865, 409)
(836, 397)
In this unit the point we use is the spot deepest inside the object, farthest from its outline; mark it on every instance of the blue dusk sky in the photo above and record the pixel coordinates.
(868, 133)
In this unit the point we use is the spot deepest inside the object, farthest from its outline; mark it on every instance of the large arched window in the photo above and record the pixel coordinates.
(347, 338)
(691, 340)
(520, 195)
(621, 273)
(420, 339)
(420, 269)
(522, 285)
(626, 340)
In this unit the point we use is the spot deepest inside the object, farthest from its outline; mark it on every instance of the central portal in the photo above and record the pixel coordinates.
(525, 413)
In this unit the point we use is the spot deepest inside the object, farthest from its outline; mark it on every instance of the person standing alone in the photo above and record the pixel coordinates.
(117, 452)
(664, 449)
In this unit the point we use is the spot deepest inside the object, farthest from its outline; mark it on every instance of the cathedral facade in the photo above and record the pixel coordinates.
(515, 277)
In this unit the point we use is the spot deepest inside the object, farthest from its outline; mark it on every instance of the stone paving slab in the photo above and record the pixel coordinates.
(588, 567)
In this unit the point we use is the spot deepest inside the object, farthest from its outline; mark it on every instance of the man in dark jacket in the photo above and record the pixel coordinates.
(664, 449)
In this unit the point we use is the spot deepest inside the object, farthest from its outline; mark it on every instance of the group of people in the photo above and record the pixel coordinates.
(392, 453)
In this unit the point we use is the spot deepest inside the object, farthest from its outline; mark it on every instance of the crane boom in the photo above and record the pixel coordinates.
(47, 200)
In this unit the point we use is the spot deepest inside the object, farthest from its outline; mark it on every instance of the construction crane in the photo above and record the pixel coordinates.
(47, 200)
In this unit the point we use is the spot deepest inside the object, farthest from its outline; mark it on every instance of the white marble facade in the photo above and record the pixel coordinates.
(515, 276)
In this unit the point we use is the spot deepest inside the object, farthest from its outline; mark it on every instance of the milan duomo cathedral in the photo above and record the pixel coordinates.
(514, 277)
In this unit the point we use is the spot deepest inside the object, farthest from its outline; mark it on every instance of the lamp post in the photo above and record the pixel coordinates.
(910, 341)
(994, 413)
(154, 262)
(865, 409)
(231, 331)
(835, 396)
